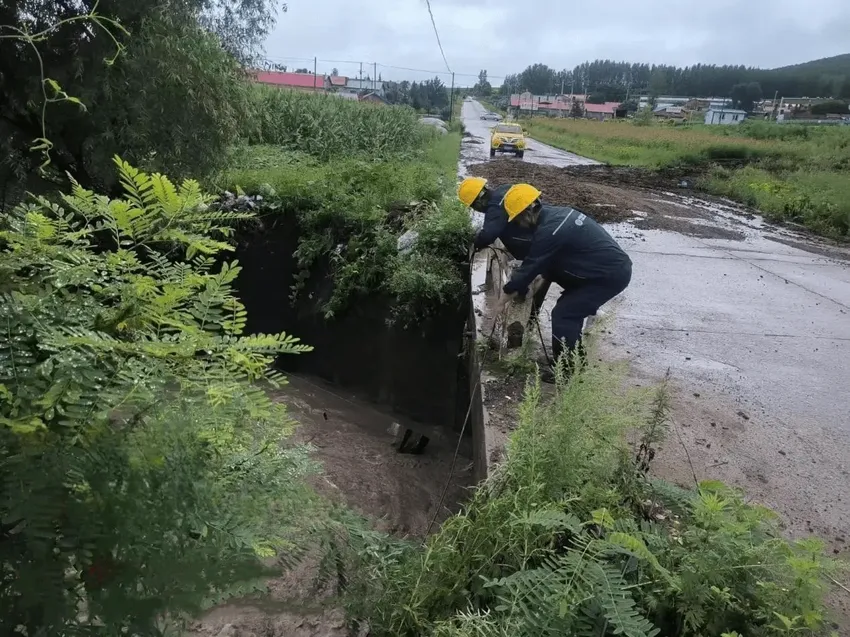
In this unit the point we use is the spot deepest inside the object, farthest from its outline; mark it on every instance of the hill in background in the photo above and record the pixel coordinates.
(837, 64)
(609, 80)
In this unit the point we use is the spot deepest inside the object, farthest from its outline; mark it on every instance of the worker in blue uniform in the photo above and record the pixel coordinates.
(476, 194)
(574, 251)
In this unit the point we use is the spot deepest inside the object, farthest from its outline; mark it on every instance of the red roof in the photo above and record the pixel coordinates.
(608, 107)
(301, 80)
(338, 80)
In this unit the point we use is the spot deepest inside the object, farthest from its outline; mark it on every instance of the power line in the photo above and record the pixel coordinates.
(405, 68)
(380, 64)
(440, 44)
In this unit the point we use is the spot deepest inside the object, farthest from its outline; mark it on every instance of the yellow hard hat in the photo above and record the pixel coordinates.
(518, 198)
(469, 189)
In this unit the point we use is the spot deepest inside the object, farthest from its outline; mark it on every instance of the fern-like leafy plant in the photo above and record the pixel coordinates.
(143, 468)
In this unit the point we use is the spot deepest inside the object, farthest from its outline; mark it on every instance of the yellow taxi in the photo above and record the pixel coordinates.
(508, 137)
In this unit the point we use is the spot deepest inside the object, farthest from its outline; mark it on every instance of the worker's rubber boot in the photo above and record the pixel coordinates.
(575, 359)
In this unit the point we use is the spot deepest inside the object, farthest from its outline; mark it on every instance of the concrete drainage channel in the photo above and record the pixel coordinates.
(384, 406)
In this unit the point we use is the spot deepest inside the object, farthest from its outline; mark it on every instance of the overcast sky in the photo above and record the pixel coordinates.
(504, 36)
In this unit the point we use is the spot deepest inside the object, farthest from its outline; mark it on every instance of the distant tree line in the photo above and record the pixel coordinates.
(607, 80)
(430, 96)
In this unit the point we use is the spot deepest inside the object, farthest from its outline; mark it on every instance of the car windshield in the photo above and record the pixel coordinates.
(509, 128)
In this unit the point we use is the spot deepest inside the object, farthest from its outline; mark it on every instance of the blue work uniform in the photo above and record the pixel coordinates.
(517, 239)
(574, 251)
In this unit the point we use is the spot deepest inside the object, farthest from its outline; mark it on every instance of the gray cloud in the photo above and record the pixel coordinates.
(504, 36)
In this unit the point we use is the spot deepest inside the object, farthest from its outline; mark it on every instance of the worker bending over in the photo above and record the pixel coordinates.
(475, 193)
(574, 251)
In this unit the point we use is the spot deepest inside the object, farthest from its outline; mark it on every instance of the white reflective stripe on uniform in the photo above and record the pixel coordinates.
(564, 221)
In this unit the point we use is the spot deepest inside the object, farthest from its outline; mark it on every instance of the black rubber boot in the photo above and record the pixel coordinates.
(576, 360)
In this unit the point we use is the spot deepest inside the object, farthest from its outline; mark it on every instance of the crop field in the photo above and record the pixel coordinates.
(789, 172)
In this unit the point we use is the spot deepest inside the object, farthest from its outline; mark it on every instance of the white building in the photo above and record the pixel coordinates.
(354, 84)
(725, 116)
(692, 102)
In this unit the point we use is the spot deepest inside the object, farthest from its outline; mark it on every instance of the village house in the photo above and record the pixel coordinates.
(339, 85)
(601, 112)
(562, 106)
(727, 116)
(686, 103)
(356, 85)
(665, 111)
(294, 81)
(373, 97)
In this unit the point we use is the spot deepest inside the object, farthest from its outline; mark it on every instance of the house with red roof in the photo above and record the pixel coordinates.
(295, 81)
(562, 106)
(608, 110)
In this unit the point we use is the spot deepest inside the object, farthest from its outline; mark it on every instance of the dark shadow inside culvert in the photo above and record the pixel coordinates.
(419, 374)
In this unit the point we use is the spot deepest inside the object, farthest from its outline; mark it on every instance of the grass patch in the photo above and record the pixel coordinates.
(817, 199)
(571, 537)
(789, 172)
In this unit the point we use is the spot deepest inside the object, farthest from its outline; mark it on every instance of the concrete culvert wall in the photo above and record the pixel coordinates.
(419, 372)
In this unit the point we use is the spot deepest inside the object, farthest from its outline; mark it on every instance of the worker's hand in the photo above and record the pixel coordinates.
(504, 300)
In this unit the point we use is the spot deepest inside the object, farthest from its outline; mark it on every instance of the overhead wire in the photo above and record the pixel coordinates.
(379, 64)
(439, 43)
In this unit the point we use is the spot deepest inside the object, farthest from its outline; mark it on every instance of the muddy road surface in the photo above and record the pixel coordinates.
(751, 319)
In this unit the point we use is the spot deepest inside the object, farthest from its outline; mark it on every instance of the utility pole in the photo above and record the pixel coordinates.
(315, 76)
(374, 76)
(452, 99)
(773, 111)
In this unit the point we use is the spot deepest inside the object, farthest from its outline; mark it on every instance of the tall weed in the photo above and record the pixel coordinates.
(569, 537)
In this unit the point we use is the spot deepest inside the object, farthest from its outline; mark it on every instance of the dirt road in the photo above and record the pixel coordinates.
(753, 321)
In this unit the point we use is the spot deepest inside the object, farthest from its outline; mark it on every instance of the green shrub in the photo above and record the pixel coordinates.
(351, 213)
(570, 537)
(143, 468)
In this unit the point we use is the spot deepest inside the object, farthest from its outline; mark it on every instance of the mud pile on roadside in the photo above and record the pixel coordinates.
(607, 193)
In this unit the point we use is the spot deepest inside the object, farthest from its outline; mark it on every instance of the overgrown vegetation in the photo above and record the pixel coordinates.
(327, 127)
(571, 537)
(173, 100)
(353, 196)
(144, 468)
(790, 172)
